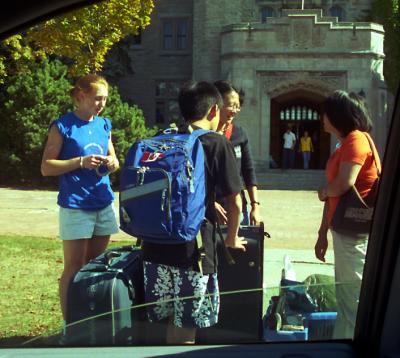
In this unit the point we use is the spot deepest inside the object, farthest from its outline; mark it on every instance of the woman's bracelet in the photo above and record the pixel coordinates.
(81, 162)
(255, 202)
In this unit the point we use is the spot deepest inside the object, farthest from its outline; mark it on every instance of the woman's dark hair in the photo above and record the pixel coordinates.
(347, 112)
(224, 87)
(196, 98)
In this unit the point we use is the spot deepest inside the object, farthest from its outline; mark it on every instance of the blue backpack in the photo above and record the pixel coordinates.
(163, 189)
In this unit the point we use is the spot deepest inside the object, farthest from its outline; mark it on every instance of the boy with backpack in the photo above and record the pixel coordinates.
(186, 292)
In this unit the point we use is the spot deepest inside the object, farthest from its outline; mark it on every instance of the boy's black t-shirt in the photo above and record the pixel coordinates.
(222, 176)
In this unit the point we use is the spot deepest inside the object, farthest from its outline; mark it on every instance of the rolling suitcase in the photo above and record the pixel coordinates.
(241, 289)
(100, 300)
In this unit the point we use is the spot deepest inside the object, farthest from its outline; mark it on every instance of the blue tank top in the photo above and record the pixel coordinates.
(83, 188)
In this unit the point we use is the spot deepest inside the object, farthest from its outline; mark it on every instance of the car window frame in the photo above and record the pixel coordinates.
(380, 292)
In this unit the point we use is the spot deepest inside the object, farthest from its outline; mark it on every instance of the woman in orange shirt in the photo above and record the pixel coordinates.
(352, 163)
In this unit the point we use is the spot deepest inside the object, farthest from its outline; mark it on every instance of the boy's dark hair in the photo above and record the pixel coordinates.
(347, 112)
(224, 87)
(196, 98)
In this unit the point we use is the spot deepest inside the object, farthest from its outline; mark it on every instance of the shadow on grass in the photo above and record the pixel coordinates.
(18, 341)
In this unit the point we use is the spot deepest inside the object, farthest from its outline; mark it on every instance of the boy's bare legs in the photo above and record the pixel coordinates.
(180, 335)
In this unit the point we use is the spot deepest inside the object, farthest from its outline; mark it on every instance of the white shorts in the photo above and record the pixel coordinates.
(78, 224)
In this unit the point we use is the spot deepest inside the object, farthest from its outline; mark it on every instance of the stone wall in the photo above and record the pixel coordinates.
(151, 63)
(295, 50)
(301, 51)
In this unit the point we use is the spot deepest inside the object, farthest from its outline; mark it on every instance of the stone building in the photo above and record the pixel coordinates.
(285, 60)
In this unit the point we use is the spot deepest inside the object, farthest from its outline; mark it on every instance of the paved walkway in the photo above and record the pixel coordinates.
(291, 217)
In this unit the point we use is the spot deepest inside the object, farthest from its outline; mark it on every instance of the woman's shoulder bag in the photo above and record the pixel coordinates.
(353, 215)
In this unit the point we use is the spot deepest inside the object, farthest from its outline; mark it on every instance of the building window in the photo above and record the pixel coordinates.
(266, 12)
(167, 35)
(167, 107)
(298, 113)
(175, 34)
(337, 11)
(182, 35)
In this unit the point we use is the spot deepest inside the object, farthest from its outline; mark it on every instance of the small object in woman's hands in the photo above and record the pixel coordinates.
(102, 169)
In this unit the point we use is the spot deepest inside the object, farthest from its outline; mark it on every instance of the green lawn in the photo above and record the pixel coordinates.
(30, 269)
(29, 305)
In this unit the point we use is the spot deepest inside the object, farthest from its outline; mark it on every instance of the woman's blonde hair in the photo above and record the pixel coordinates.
(87, 84)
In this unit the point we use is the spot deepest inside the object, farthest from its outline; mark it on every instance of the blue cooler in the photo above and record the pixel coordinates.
(271, 335)
(320, 325)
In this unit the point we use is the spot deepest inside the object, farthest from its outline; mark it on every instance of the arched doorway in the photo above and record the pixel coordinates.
(302, 111)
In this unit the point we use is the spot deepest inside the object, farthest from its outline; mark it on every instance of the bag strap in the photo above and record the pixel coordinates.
(373, 153)
(227, 254)
(202, 252)
(377, 169)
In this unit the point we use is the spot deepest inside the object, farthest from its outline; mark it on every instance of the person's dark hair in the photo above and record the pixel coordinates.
(224, 87)
(196, 98)
(347, 112)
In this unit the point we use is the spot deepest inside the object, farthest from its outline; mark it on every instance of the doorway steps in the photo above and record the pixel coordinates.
(290, 179)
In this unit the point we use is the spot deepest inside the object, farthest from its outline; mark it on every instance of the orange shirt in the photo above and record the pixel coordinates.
(354, 149)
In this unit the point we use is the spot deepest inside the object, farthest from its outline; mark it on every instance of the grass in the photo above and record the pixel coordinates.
(29, 304)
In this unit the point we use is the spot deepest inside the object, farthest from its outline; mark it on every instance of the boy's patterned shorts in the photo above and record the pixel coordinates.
(190, 298)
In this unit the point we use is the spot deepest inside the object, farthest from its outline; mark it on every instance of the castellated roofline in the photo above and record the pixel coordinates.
(301, 32)
(315, 14)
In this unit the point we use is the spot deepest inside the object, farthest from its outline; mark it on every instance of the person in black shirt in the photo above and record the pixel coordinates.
(240, 142)
(171, 271)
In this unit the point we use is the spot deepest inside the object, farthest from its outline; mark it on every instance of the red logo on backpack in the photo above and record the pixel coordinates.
(151, 157)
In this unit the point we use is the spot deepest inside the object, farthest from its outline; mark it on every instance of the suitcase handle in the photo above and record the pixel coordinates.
(109, 256)
(105, 262)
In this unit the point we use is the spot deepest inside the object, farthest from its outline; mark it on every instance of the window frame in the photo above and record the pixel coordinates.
(176, 36)
(266, 10)
(386, 276)
(342, 13)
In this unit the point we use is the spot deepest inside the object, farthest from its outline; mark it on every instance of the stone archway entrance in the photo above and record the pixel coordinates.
(302, 110)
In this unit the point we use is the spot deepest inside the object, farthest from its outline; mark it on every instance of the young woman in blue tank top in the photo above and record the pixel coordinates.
(78, 146)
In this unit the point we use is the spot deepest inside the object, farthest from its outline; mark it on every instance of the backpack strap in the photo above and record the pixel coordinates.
(196, 134)
(202, 251)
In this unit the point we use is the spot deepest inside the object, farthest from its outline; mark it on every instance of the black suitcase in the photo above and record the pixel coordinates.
(241, 288)
(100, 300)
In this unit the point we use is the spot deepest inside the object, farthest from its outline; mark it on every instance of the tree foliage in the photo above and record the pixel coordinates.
(30, 101)
(16, 56)
(83, 36)
(387, 13)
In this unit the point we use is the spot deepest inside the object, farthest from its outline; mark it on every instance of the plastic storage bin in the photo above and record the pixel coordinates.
(320, 325)
(272, 335)
(282, 336)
